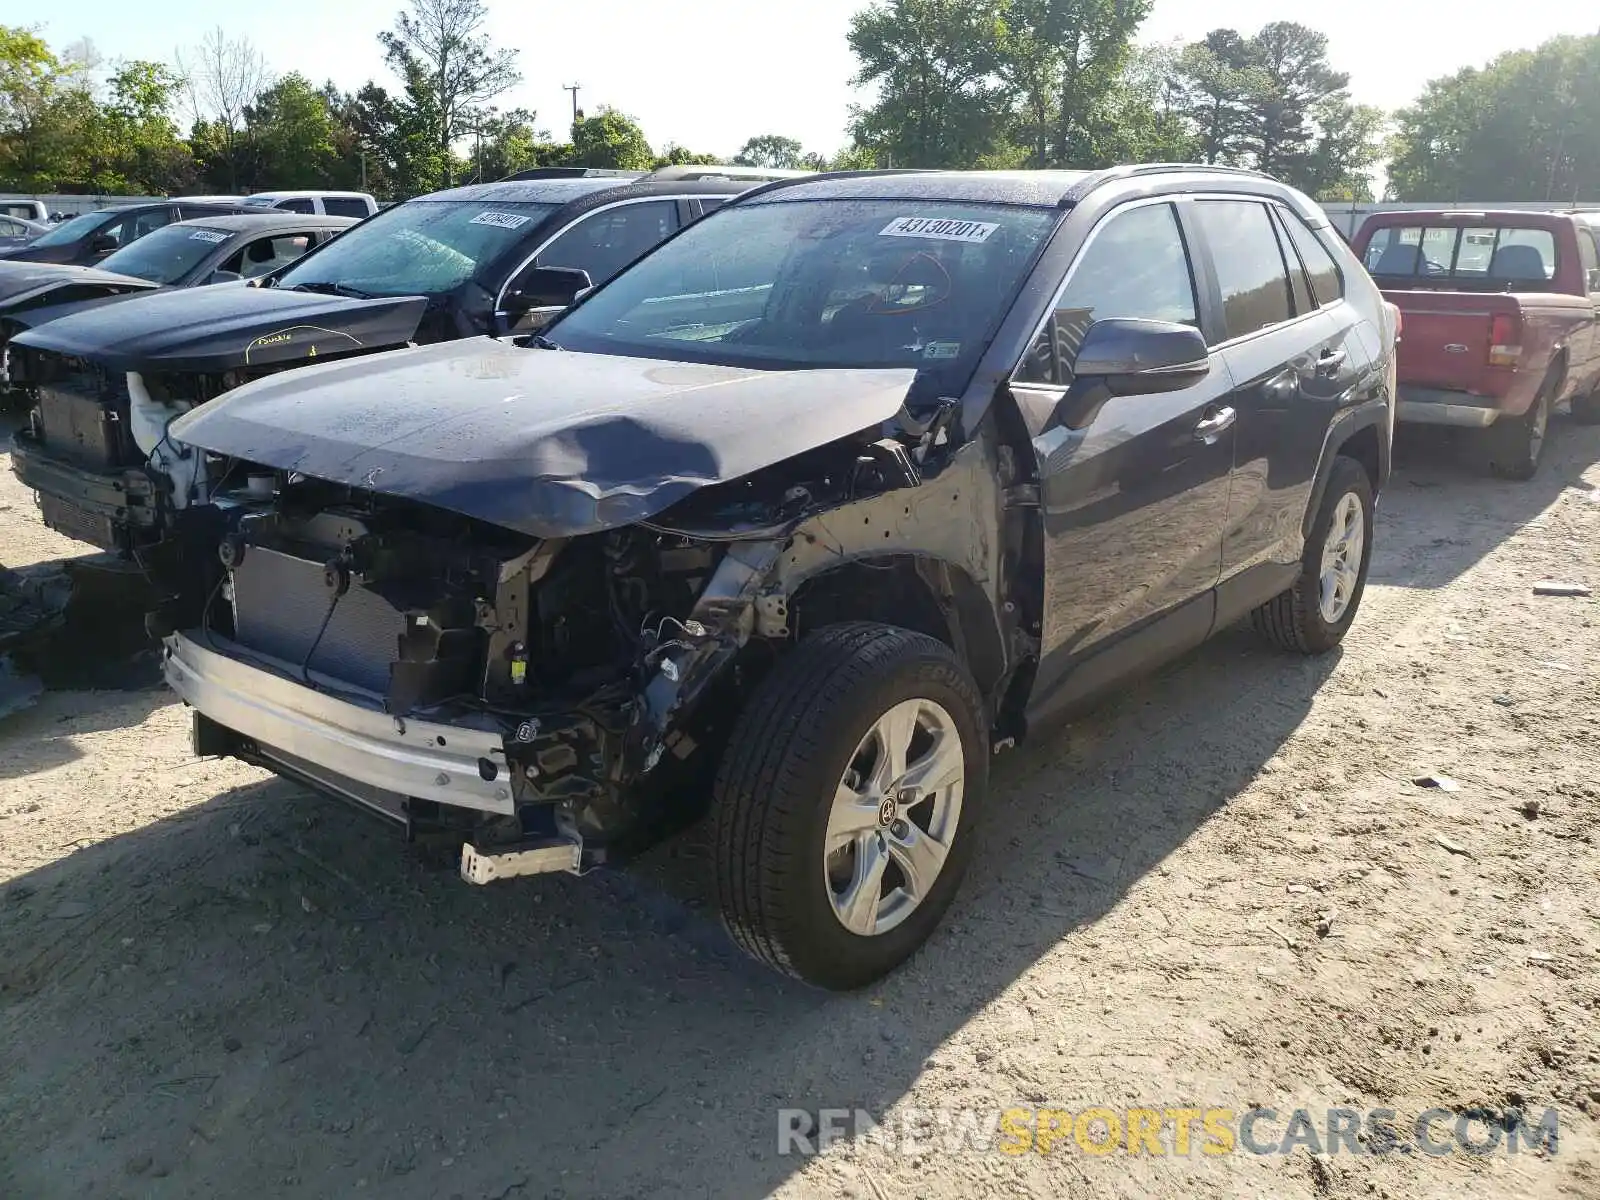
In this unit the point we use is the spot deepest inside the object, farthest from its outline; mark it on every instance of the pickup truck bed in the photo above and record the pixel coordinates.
(1499, 315)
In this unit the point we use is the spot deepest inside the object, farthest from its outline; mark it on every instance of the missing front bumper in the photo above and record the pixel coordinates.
(356, 750)
(105, 509)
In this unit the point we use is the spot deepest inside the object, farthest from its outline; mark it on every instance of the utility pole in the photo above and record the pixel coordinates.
(574, 88)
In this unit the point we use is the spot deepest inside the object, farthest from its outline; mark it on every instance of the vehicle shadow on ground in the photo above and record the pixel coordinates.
(265, 989)
(1442, 479)
(39, 730)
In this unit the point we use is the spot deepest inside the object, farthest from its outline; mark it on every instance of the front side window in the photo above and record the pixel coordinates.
(425, 247)
(802, 284)
(166, 255)
(267, 254)
(79, 227)
(1135, 265)
(146, 223)
(1249, 264)
(605, 242)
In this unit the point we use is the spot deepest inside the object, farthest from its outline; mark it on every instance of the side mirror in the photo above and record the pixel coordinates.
(225, 277)
(542, 293)
(1133, 357)
(102, 243)
(1127, 356)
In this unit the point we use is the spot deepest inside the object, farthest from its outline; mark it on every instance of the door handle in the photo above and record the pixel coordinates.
(1215, 425)
(1331, 360)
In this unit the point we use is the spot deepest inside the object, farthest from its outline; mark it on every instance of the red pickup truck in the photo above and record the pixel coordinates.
(1500, 313)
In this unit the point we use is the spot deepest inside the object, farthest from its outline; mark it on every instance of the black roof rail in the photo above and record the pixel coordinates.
(1080, 190)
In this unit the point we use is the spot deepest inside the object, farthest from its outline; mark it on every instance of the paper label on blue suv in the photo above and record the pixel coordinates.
(939, 229)
(208, 235)
(501, 220)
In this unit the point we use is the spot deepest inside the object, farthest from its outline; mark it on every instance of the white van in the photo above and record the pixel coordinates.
(332, 204)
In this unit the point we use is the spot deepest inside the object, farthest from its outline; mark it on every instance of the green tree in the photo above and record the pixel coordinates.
(611, 140)
(136, 148)
(773, 152)
(1524, 128)
(1273, 101)
(222, 77)
(1064, 62)
(450, 69)
(935, 65)
(674, 155)
(46, 113)
(292, 135)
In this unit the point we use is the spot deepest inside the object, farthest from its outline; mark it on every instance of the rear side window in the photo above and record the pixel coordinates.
(1249, 264)
(344, 206)
(1327, 284)
(299, 204)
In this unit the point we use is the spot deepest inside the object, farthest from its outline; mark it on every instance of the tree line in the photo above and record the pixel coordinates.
(955, 83)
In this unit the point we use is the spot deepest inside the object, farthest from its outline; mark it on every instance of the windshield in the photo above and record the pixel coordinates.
(166, 255)
(821, 283)
(1466, 254)
(71, 231)
(426, 247)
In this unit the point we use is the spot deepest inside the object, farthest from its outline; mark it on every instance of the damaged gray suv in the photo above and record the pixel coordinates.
(802, 517)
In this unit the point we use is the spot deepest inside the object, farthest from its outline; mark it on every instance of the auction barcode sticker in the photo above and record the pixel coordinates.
(500, 220)
(940, 229)
(209, 235)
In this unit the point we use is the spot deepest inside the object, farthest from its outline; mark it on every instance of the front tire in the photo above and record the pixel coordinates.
(1313, 616)
(845, 803)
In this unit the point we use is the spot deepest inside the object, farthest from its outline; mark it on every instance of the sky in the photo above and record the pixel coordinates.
(745, 67)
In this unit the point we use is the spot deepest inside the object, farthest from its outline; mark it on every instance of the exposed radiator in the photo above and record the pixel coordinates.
(280, 602)
(84, 417)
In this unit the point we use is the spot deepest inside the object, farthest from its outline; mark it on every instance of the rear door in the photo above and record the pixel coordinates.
(1294, 355)
(1134, 504)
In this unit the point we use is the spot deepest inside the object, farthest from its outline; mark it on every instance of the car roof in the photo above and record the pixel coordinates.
(299, 193)
(1060, 189)
(569, 190)
(263, 222)
(1041, 188)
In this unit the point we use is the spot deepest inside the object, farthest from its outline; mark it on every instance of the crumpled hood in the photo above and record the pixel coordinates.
(226, 326)
(548, 442)
(26, 284)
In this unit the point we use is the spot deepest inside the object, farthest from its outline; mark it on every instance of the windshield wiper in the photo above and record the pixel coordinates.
(539, 342)
(332, 289)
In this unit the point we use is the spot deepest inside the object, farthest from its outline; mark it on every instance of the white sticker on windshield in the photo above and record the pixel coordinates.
(941, 351)
(208, 235)
(500, 220)
(939, 229)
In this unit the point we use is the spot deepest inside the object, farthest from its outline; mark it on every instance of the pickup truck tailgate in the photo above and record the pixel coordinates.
(1447, 339)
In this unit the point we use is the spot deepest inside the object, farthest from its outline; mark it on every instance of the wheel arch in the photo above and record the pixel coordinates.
(1361, 435)
(912, 591)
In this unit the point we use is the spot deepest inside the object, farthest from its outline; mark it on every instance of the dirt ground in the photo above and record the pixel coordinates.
(213, 984)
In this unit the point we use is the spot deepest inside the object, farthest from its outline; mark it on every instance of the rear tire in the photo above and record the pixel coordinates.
(1516, 445)
(794, 861)
(1313, 616)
